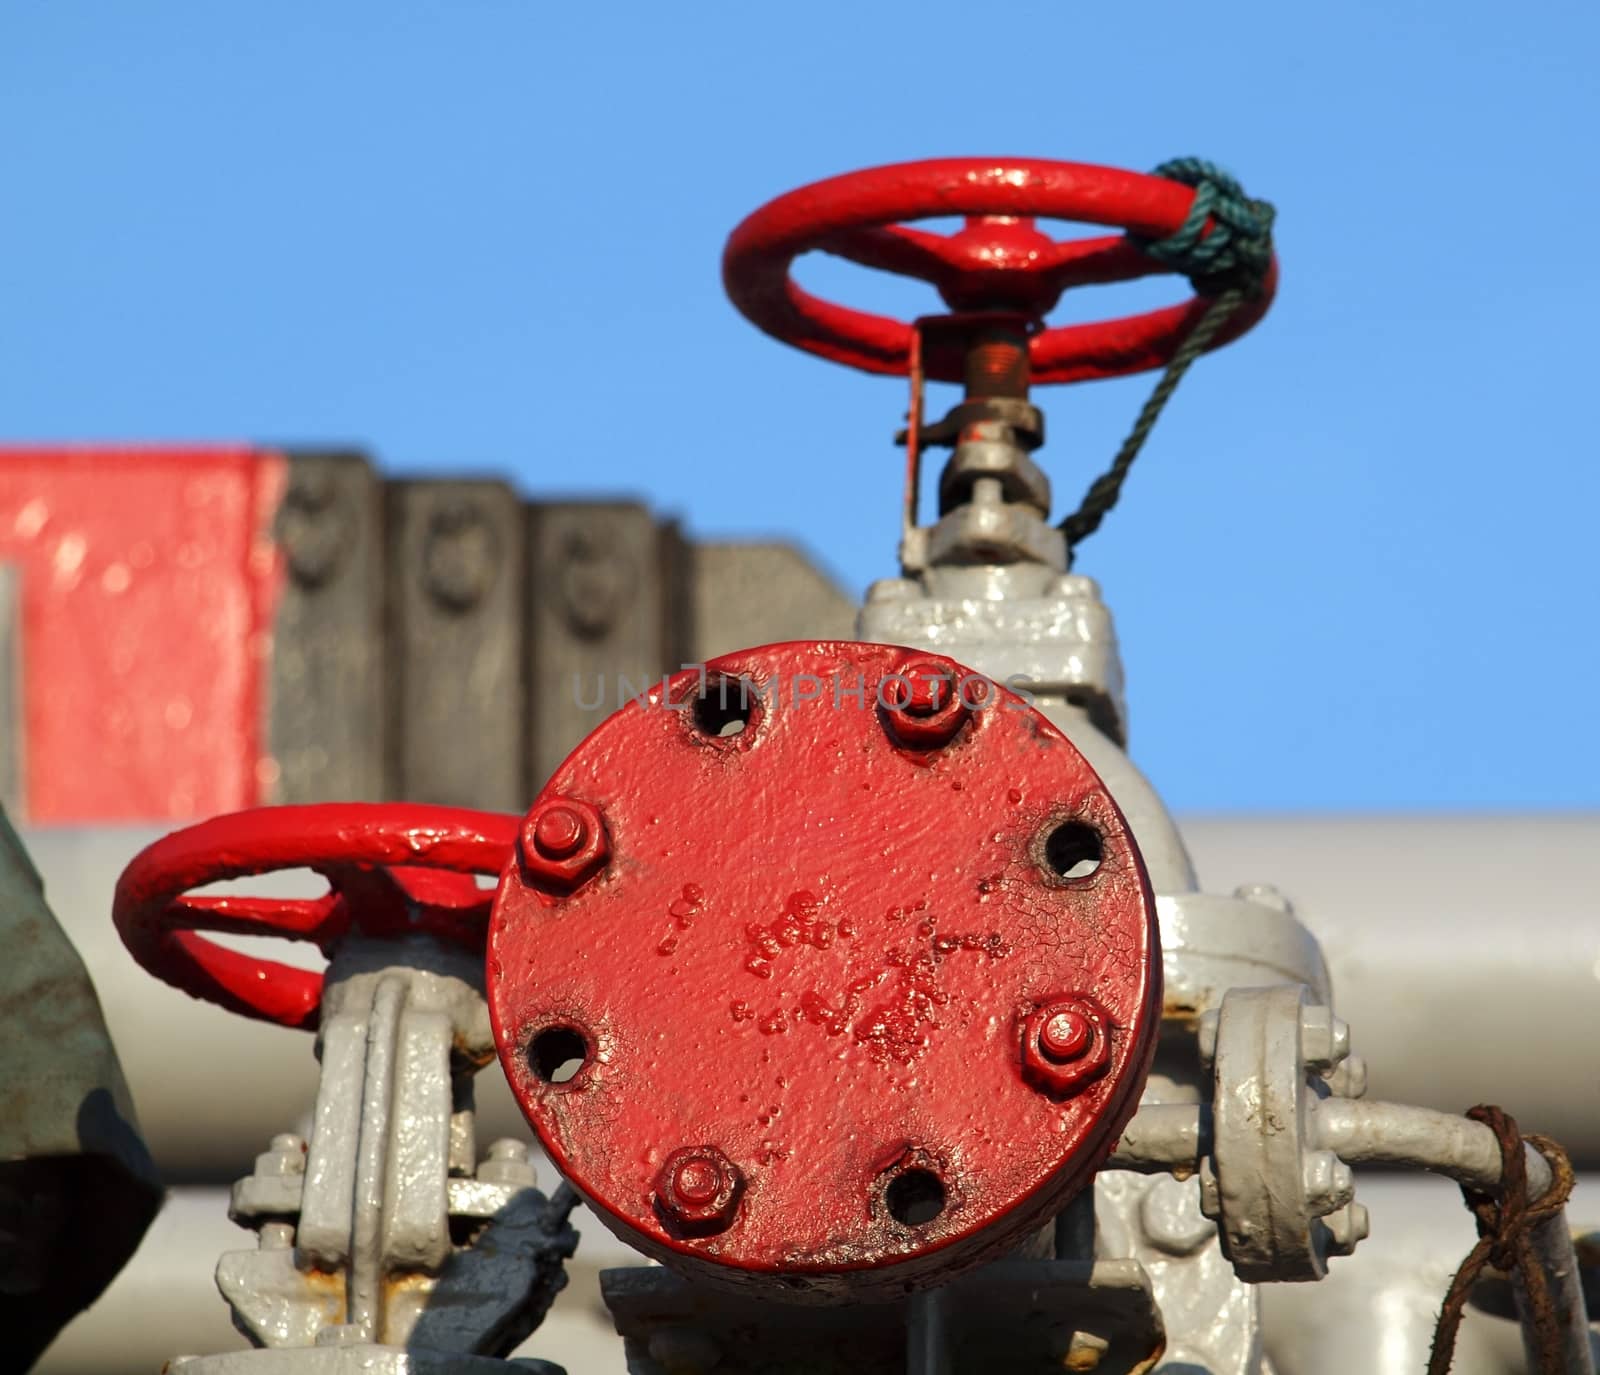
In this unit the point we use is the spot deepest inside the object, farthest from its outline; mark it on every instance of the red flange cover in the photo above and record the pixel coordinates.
(834, 992)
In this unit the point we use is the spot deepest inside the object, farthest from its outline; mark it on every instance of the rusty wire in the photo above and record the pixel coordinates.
(1506, 1219)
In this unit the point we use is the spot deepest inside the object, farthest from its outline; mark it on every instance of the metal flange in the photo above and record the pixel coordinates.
(863, 990)
(1284, 1203)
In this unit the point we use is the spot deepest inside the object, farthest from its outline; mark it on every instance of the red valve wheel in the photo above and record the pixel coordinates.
(391, 870)
(839, 1008)
(1000, 261)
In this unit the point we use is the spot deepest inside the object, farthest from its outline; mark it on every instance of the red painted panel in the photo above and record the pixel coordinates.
(150, 583)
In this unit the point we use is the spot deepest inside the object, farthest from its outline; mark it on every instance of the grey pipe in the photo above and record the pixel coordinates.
(1469, 1153)
(1172, 1136)
(1409, 912)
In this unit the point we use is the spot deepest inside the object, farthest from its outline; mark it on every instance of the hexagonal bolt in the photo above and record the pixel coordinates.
(1205, 1030)
(285, 1155)
(1328, 1181)
(1210, 1191)
(1170, 1214)
(1085, 1351)
(1066, 1043)
(277, 1236)
(1346, 1228)
(1264, 895)
(1075, 585)
(1066, 1034)
(698, 1191)
(923, 704)
(1324, 1038)
(508, 1162)
(558, 832)
(892, 590)
(563, 844)
(1349, 1078)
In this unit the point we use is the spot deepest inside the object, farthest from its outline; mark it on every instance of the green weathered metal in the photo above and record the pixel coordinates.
(77, 1187)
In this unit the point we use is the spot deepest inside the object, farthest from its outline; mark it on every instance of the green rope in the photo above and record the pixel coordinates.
(1229, 265)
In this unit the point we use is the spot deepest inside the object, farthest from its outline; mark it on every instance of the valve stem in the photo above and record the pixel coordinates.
(993, 499)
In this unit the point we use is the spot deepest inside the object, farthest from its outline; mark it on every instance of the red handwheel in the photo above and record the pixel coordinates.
(999, 261)
(391, 870)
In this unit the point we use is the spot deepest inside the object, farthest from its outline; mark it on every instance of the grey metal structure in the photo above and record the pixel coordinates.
(1254, 1093)
(383, 1243)
(327, 727)
(386, 1245)
(449, 641)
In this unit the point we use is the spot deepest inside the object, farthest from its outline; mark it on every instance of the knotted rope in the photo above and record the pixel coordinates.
(1229, 265)
(1505, 1220)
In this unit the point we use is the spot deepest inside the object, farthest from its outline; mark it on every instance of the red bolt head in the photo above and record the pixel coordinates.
(558, 832)
(1066, 1043)
(925, 703)
(1066, 1035)
(563, 844)
(698, 1191)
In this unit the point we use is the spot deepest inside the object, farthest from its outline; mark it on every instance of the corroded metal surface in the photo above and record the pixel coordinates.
(998, 261)
(332, 670)
(604, 603)
(1283, 1203)
(77, 1188)
(814, 950)
(392, 870)
(458, 645)
(1017, 1315)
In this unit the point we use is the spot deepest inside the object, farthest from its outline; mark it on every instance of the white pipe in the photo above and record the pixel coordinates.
(1373, 1313)
(1464, 951)
(1465, 954)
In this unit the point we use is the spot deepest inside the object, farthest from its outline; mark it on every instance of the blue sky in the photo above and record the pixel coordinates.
(1354, 568)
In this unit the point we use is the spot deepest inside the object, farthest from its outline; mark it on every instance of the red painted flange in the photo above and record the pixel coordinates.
(999, 261)
(828, 1012)
(392, 870)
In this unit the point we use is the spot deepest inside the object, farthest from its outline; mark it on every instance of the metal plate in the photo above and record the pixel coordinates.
(456, 622)
(1024, 1317)
(807, 953)
(327, 726)
(599, 629)
(149, 587)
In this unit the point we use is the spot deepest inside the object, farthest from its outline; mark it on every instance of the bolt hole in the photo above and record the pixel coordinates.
(557, 1053)
(915, 1197)
(724, 708)
(1073, 850)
